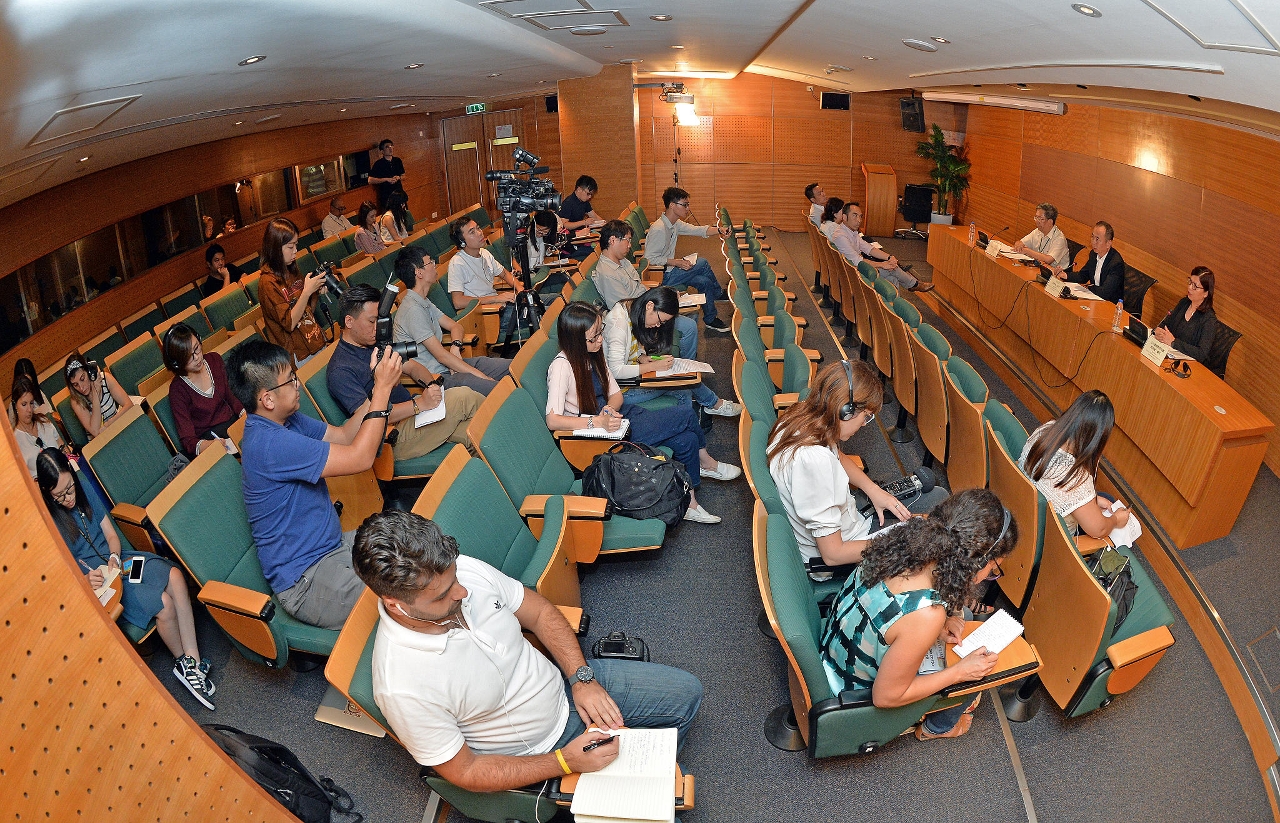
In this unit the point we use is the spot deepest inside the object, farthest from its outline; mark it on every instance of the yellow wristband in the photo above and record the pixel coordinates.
(563, 765)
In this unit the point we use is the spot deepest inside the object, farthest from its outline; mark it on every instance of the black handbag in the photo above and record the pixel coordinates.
(1111, 569)
(639, 482)
(278, 770)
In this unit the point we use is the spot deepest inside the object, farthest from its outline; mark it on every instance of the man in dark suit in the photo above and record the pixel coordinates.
(1104, 270)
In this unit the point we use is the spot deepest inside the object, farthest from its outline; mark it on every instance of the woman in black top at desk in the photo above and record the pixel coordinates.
(1191, 325)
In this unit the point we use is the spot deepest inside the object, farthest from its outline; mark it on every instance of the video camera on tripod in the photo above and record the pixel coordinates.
(520, 193)
(407, 350)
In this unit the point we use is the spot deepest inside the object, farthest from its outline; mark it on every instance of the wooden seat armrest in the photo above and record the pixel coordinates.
(237, 599)
(774, 355)
(759, 295)
(578, 621)
(1150, 642)
(1087, 545)
(490, 308)
(653, 284)
(764, 320)
(855, 460)
(129, 513)
(814, 355)
(576, 506)
(789, 296)
(672, 382)
(785, 400)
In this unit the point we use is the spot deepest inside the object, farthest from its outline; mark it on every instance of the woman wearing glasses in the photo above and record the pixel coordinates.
(1191, 326)
(161, 593)
(814, 478)
(201, 401)
(579, 385)
(906, 596)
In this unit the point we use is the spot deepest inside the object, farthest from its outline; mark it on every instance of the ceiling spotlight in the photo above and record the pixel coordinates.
(495, 74)
(586, 31)
(940, 40)
(677, 47)
(661, 18)
(685, 115)
(84, 159)
(832, 68)
(606, 47)
(249, 61)
(919, 45)
(414, 66)
(1087, 11)
(629, 60)
(400, 106)
(867, 57)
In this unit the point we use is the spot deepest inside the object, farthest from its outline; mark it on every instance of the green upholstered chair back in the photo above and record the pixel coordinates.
(766, 489)
(745, 305)
(968, 381)
(534, 378)
(439, 241)
(521, 451)
(108, 345)
(361, 686)
(306, 262)
(586, 292)
(644, 218)
(330, 251)
(933, 341)
(795, 606)
(1007, 427)
(309, 238)
(225, 310)
(247, 338)
(138, 365)
(795, 370)
(638, 229)
(481, 216)
(175, 305)
(251, 288)
(887, 291)
(71, 423)
(318, 387)
(758, 392)
(499, 537)
(909, 313)
(144, 324)
(437, 294)
(868, 272)
(501, 251)
(133, 462)
(200, 325)
(163, 411)
(53, 384)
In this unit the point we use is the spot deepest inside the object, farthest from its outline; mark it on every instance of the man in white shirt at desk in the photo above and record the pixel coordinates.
(1046, 244)
(447, 623)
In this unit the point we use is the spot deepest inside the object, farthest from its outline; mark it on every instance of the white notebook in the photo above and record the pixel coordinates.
(604, 434)
(680, 365)
(999, 630)
(637, 786)
(1127, 534)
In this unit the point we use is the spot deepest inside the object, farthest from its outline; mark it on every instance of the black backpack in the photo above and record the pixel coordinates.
(278, 770)
(639, 482)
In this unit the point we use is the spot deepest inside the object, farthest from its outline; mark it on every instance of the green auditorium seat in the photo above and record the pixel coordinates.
(177, 301)
(966, 442)
(223, 560)
(194, 318)
(97, 349)
(306, 262)
(141, 322)
(136, 362)
(1005, 438)
(930, 352)
(131, 460)
(226, 306)
(331, 250)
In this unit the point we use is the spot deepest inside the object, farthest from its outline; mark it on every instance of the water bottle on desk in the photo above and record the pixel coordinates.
(1115, 321)
(973, 234)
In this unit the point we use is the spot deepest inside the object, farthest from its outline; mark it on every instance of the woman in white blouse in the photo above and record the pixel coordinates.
(1062, 456)
(814, 479)
(31, 427)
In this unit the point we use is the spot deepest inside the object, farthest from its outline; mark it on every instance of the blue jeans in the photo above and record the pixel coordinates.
(702, 395)
(945, 720)
(649, 695)
(688, 328)
(702, 278)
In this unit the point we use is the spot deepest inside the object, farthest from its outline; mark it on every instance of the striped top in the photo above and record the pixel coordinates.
(853, 641)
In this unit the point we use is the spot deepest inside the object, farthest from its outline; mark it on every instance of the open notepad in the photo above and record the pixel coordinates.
(680, 365)
(999, 630)
(604, 434)
(688, 300)
(637, 786)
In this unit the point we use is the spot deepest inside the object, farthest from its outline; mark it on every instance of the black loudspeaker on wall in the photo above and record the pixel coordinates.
(553, 103)
(912, 114)
(835, 100)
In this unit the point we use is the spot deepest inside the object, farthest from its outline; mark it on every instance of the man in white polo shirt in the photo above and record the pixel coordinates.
(467, 694)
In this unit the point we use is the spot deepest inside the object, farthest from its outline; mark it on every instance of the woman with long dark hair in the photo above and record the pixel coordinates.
(32, 428)
(816, 480)
(288, 298)
(638, 337)
(394, 222)
(25, 368)
(201, 401)
(1192, 325)
(907, 595)
(161, 593)
(368, 236)
(1062, 456)
(96, 397)
(579, 385)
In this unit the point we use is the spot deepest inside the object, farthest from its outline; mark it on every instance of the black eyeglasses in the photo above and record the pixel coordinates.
(293, 378)
(683, 205)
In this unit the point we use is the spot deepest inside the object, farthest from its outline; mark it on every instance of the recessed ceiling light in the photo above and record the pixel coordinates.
(677, 47)
(495, 74)
(661, 18)
(84, 159)
(239, 122)
(249, 61)
(919, 45)
(867, 57)
(542, 82)
(607, 47)
(400, 106)
(939, 39)
(629, 60)
(1087, 11)
(586, 31)
(414, 66)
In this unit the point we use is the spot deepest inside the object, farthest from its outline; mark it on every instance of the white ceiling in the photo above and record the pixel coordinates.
(117, 80)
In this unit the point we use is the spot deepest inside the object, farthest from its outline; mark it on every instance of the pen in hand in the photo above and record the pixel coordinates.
(598, 744)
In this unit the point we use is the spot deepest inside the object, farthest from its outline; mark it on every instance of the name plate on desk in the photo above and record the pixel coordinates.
(1154, 350)
(1056, 288)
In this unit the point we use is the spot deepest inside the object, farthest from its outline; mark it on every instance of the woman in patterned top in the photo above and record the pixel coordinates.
(908, 594)
(1062, 456)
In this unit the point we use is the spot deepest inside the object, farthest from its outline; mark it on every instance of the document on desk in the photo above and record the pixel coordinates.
(637, 786)
(1081, 291)
(999, 630)
(109, 575)
(1013, 255)
(680, 365)
(1127, 534)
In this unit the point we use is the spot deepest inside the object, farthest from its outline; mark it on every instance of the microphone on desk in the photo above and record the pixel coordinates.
(1002, 231)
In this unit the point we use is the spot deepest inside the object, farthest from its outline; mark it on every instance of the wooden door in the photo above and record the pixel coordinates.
(462, 160)
(503, 131)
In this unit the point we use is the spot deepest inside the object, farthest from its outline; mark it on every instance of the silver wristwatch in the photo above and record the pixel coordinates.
(584, 675)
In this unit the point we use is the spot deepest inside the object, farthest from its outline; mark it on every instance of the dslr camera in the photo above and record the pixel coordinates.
(408, 349)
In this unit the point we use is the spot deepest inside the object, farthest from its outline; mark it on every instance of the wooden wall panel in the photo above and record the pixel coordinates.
(752, 96)
(991, 209)
(996, 163)
(1150, 211)
(994, 122)
(746, 189)
(1065, 179)
(878, 137)
(598, 135)
(813, 140)
(1245, 239)
(695, 142)
(789, 204)
(1244, 166)
(743, 139)
(1075, 131)
(699, 179)
(1170, 146)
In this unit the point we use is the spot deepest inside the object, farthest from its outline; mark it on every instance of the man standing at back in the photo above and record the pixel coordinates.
(286, 457)
(386, 173)
(678, 273)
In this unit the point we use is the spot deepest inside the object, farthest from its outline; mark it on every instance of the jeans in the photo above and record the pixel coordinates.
(702, 395)
(702, 278)
(649, 695)
(945, 720)
(688, 328)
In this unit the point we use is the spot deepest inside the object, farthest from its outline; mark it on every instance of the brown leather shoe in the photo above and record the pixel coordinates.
(921, 286)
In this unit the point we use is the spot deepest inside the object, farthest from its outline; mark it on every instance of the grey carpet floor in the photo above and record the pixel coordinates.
(1169, 751)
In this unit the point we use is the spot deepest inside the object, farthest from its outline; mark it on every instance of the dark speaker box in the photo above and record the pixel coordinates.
(912, 114)
(553, 103)
(835, 100)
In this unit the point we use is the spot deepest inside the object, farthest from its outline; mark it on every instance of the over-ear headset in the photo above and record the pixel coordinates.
(848, 410)
(455, 231)
(164, 350)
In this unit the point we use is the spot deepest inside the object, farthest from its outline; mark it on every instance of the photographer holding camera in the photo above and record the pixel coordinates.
(288, 298)
(350, 379)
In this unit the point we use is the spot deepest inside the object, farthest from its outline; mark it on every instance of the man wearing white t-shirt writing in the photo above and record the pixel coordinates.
(467, 694)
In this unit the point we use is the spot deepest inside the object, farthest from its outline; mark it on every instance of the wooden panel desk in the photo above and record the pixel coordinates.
(882, 199)
(1190, 447)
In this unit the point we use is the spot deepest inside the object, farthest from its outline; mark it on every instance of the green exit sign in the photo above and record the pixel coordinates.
(475, 108)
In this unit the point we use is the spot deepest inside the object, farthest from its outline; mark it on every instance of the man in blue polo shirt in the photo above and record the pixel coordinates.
(576, 213)
(286, 456)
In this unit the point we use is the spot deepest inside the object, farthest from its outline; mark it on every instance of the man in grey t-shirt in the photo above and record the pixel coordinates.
(421, 321)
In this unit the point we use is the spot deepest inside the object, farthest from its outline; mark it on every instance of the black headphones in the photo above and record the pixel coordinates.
(455, 231)
(848, 410)
(164, 349)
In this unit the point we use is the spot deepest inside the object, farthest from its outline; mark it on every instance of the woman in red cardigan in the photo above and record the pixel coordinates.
(202, 404)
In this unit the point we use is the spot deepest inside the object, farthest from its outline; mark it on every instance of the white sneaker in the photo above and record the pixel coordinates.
(722, 471)
(727, 408)
(700, 515)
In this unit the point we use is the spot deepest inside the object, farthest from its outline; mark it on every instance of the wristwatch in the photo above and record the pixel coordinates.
(584, 675)
(373, 414)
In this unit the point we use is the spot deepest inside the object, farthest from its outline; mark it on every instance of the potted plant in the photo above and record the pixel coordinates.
(950, 170)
